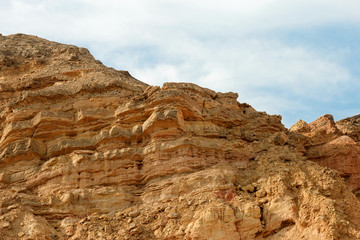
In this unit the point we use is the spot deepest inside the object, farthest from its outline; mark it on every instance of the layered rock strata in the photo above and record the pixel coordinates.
(334, 145)
(89, 152)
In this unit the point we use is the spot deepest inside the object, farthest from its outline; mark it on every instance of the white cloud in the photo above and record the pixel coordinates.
(224, 46)
(128, 22)
(250, 64)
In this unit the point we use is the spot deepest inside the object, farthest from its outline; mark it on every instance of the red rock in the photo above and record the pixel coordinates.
(83, 147)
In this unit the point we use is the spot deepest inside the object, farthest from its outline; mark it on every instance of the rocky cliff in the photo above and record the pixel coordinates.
(89, 152)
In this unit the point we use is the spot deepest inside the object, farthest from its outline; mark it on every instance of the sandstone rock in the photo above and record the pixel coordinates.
(248, 188)
(89, 152)
(342, 154)
(332, 147)
(279, 213)
(320, 131)
(217, 223)
(350, 127)
(134, 214)
(248, 223)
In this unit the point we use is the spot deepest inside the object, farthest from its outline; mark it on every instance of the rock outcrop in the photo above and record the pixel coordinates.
(350, 127)
(89, 152)
(334, 145)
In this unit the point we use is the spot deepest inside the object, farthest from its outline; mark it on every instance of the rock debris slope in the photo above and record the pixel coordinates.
(88, 152)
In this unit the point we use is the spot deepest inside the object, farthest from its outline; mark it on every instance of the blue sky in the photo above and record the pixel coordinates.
(298, 58)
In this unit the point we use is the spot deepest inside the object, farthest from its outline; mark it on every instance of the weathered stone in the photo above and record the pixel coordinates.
(328, 146)
(89, 152)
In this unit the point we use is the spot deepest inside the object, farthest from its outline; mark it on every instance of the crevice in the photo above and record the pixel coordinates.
(345, 176)
(262, 220)
(287, 223)
(139, 164)
(257, 234)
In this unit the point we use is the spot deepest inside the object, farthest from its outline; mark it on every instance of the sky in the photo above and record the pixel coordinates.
(298, 58)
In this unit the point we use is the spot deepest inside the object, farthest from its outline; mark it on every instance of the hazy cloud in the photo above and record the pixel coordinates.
(229, 46)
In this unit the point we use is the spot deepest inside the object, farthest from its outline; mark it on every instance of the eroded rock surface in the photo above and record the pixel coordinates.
(88, 152)
(334, 145)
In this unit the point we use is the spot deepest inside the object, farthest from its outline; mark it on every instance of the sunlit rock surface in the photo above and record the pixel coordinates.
(89, 152)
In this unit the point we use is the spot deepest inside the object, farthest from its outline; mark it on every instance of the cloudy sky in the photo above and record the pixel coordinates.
(298, 58)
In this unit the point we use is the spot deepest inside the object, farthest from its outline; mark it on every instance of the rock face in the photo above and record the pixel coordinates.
(334, 145)
(350, 127)
(88, 152)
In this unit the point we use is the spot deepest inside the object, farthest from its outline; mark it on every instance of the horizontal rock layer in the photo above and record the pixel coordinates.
(90, 152)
